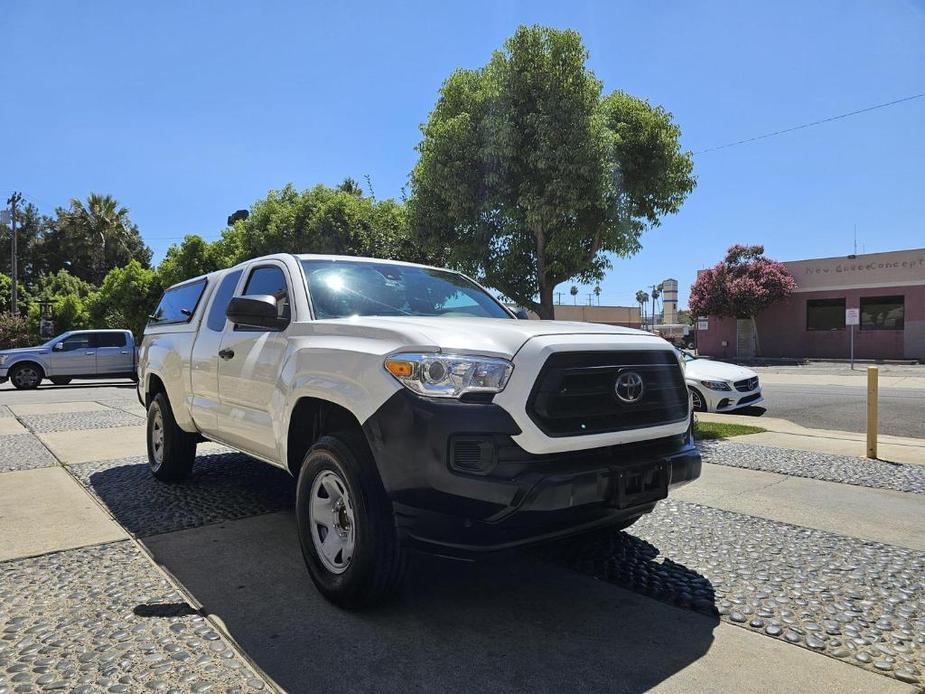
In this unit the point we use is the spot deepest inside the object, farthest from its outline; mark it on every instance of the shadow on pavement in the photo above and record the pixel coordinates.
(164, 609)
(753, 411)
(516, 623)
(626, 560)
(221, 487)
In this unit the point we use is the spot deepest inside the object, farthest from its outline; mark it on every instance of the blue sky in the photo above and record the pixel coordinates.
(188, 111)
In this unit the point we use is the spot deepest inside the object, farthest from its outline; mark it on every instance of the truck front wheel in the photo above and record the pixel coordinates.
(26, 376)
(171, 451)
(346, 524)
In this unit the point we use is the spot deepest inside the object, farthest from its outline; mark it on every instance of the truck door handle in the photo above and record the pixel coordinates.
(226, 353)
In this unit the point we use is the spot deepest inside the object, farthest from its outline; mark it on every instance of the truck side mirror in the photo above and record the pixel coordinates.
(59, 347)
(257, 311)
(522, 314)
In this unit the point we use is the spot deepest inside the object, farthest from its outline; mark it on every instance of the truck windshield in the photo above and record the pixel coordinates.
(339, 289)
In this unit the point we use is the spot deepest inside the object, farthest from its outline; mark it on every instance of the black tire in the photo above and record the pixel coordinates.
(628, 522)
(172, 451)
(375, 567)
(26, 376)
(60, 380)
(697, 402)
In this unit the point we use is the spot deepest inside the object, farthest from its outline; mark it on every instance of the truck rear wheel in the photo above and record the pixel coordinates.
(171, 451)
(346, 524)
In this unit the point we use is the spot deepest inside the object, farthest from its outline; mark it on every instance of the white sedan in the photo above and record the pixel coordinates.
(716, 386)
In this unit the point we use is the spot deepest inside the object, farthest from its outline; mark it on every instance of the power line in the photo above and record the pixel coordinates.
(812, 124)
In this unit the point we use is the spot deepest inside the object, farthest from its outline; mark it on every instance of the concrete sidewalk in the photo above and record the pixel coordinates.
(45, 510)
(856, 378)
(783, 433)
(518, 625)
(878, 515)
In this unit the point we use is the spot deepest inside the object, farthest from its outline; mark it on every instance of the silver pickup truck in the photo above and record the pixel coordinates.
(75, 354)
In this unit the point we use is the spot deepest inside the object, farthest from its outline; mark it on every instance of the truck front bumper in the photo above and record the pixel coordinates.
(461, 486)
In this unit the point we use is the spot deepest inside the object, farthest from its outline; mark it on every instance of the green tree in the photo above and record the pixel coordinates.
(68, 299)
(528, 177)
(6, 295)
(70, 312)
(194, 256)
(321, 220)
(30, 230)
(95, 237)
(62, 283)
(229, 249)
(127, 296)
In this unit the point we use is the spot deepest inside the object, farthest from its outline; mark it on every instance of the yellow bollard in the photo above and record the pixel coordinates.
(872, 376)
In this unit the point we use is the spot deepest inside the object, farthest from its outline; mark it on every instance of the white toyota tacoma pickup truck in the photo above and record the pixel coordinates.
(414, 409)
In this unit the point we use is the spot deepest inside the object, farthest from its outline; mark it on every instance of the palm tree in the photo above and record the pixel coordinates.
(597, 293)
(574, 292)
(100, 233)
(642, 298)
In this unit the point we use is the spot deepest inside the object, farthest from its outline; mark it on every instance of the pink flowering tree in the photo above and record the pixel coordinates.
(741, 286)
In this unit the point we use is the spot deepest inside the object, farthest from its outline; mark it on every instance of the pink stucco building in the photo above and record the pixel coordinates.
(887, 288)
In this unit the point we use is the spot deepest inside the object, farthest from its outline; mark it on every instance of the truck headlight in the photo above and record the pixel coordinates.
(449, 375)
(716, 385)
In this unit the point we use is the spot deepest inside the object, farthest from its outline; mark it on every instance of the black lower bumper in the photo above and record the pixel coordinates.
(461, 485)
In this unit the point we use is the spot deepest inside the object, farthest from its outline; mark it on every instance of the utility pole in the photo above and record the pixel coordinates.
(13, 201)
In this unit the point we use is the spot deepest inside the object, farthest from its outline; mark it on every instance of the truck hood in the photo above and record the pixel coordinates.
(25, 350)
(489, 336)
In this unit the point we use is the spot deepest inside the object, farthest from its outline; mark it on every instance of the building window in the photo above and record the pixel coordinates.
(825, 314)
(882, 312)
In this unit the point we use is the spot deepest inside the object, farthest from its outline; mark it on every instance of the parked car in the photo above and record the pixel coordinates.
(74, 354)
(716, 386)
(414, 409)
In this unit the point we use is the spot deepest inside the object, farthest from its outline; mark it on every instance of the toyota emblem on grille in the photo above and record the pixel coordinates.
(629, 387)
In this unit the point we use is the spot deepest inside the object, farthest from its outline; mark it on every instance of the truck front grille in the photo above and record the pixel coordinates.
(576, 392)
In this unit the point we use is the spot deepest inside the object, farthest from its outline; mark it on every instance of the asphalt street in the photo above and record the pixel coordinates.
(902, 410)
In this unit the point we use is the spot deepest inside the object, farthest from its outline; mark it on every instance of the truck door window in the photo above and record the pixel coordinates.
(74, 342)
(107, 340)
(269, 279)
(178, 303)
(223, 294)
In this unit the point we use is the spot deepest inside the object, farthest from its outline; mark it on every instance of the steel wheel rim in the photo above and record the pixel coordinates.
(331, 522)
(157, 437)
(26, 376)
